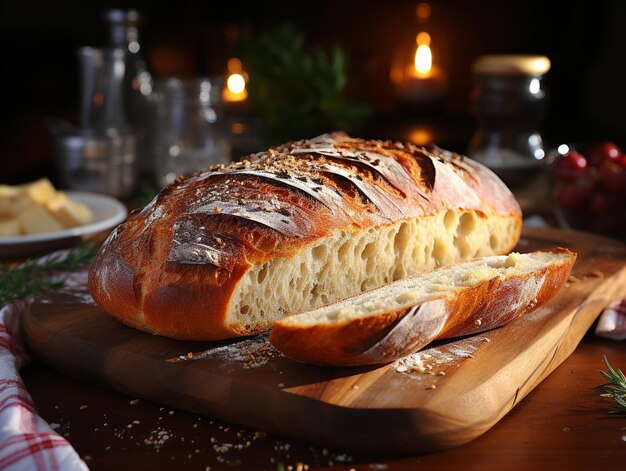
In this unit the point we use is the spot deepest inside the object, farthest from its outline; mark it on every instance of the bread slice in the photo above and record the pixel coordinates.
(395, 320)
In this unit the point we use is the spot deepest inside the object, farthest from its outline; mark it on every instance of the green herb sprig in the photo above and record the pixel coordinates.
(32, 278)
(297, 91)
(616, 388)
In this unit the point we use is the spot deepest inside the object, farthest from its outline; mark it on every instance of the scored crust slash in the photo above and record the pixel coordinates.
(233, 250)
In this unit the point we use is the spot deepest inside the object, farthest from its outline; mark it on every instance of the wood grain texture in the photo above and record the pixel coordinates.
(393, 408)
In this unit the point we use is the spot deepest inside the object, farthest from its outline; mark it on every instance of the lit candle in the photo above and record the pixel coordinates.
(423, 64)
(235, 89)
(422, 81)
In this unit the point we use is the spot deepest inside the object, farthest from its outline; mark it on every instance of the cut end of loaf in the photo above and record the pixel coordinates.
(363, 260)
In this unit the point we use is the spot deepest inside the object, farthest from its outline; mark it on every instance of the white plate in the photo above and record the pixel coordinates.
(108, 212)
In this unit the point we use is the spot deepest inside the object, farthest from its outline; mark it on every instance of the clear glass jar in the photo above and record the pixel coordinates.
(509, 103)
(190, 129)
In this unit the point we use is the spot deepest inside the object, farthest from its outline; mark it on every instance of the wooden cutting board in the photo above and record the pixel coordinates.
(443, 396)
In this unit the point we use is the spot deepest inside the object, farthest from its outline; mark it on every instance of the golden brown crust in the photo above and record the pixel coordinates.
(172, 267)
(387, 336)
(327, 344)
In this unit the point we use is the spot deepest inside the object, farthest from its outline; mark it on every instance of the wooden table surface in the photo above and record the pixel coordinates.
(563, 423)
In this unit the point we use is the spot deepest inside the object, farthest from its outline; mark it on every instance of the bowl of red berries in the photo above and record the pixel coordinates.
(590, 187)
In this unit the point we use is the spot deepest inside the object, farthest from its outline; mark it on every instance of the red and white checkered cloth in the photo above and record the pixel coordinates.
(612, 321)
(27, 442)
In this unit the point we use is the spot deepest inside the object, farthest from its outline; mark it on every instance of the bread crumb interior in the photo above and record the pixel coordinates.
(363, 260)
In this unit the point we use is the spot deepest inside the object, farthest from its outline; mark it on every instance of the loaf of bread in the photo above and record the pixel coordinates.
(397, 319)
(231, 250)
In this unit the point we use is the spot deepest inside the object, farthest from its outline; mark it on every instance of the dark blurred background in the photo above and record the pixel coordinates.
(586, 42)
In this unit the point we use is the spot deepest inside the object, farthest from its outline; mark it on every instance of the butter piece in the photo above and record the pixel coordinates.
(9, 227)
(7, 195)
(28, 194)
(68, 212)
(5, 206)
(10, 191)
(20, 204)
(35, 219)
(40, 190)
(38, 207)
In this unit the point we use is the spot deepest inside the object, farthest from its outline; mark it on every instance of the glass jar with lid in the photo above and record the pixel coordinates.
(509, 103)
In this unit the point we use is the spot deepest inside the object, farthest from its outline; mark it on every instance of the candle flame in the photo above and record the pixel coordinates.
(235, 89)
(236, 83)
(423, 55)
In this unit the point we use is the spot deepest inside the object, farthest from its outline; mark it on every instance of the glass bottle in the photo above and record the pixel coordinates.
(100, 154)
(191, 132)
(137, 87)
(509, 102)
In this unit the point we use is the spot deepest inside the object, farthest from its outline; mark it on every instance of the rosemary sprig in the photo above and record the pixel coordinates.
(616, 388)
(34, 277)
(297, 91)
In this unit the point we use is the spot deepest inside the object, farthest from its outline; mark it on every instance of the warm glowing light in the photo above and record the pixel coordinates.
(423, 11)
(238, 128)
(234, 65)
(423, 80)
(420, 137)
(396, 74)
(236, 83)
(423, 60)
(423, 55)
(235, 89)
(423, 38)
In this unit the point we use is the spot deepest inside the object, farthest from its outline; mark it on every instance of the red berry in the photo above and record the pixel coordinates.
(604, 203)
(572, 196)
(569, 167)
(614, 177)
(587, 181)
(603, 151)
